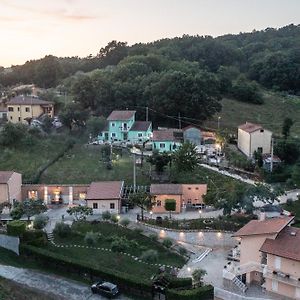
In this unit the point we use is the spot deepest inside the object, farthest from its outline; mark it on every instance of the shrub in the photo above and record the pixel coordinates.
(91, 238)
(119, 244)
(153, 237)
(150, 256)
(16, 228)
(62, 230)
(177, 282)
(289, 202)
(204, 292)
(125, 222)
(36, 238)
(182, 251)
(114, 218)
(40, 221)
(167, 243)
(106, 215)
(138, 231)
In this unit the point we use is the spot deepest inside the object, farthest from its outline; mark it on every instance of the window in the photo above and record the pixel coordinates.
(162, 145)
(11, 117)
(261, 130)
(140, 134)
(19, 119)
(189, 188)
(27, 109)
(18, 108)
(197, 188)
(158, 203)
(260, 150)
(112, 206)
(113, 124)
(100, 134)
(277, 262)
(95, 205)
(113, 134)
(10, 108)
(174, 146)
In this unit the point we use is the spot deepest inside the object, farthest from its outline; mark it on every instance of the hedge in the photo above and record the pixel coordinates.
(176, 282)
(36, 238)
(136, 285)
(202, 293)
(16, 228)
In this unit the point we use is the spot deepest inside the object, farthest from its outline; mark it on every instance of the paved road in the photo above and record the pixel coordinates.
(59, 287)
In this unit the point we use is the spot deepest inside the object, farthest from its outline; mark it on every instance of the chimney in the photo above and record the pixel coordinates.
(262, 216)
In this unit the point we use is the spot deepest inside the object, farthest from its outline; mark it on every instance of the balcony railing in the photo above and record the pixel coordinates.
(282, 277)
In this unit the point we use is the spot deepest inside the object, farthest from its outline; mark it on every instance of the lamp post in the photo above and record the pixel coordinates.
(151, 212)
(200, 213)
(219, 122)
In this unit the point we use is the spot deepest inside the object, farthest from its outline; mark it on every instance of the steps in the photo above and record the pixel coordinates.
(50, 236)
(239, 284)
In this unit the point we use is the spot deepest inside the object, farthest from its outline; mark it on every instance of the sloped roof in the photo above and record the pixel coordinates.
(166, 189)
(104, 190)
(27, 100)
(121, 115)
(167, 135)
(286, 244)
(250, 127)
(140, 126)
(269, 226)
(5, 176)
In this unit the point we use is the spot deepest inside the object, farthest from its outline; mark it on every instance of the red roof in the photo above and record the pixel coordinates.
(172, 135)
(269, 226)
(121, 115)
(250, 127)
(286, 244)
(27, 100)
(140, 126)
(5, 176)
(105, 190)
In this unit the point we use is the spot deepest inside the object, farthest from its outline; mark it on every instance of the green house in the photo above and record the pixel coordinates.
(167, 140)
(122, 127)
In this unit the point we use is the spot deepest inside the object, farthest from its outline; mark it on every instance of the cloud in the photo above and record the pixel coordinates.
(9, 19)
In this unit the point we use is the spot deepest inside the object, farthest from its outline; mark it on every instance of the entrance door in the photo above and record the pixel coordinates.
(125, 136)
(106, 136)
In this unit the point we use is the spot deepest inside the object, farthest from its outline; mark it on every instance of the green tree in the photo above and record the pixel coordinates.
(95, 124)
(198, 275)
(286, 127)
(159, 160)
(170, 205)
(186, 157)
(80, 212)
(143, 200)
(32, 207)
(12, 135)
(296, 174)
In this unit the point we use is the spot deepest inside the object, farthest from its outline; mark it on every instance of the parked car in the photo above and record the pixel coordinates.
(105, 288)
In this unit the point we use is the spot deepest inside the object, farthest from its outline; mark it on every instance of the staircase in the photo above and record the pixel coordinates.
(50, 236)
(239, 284)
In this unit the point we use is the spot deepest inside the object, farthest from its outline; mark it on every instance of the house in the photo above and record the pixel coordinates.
(105, 196)
(167, 140)
(193, 135)
(253, 137)
(269, 253)
(22, 109)
(121, 126)
(184, 195)
(3, 113)
(10, 186)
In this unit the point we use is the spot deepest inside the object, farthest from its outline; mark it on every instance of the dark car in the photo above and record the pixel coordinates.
(104, 288)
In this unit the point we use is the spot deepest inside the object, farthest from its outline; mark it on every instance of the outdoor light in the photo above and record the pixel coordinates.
(200, 233)
(189, 269)
(219, 234)
(118, 217)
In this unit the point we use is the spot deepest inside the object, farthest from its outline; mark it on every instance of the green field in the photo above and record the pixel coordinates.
(83, 165)
(270, 114)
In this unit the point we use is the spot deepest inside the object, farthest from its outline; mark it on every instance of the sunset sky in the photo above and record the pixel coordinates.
(30, 29)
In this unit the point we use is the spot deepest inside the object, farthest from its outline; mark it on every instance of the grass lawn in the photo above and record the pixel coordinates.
(28, 159)
(83, 165)
(114, 260)
(295, 209)
(270, 114)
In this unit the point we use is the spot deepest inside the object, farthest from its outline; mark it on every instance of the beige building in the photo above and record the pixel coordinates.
(22, 109)
(184, 194)
(269, 253)
(105, 196)
(253, 137)
(10, 186)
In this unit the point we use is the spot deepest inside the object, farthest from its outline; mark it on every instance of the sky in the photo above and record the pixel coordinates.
(31, 29)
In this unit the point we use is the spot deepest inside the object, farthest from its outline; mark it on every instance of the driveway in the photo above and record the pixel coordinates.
(56, 286)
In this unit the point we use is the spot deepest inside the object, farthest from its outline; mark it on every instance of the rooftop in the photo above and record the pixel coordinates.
(103, 190)
(140, 126)
(286, 244)
(27, 100)
(173, 135)
(121, 115)
(250, 127)
(269, 226)
(166, 189)
(5, 176)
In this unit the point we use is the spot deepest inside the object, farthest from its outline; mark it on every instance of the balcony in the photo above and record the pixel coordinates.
(282, 277)
(124, 128)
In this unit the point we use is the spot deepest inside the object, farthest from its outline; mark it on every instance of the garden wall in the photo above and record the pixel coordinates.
(10, 242)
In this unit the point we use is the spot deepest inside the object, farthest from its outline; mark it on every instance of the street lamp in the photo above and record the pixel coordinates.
(200, 213)
(151, 212)
(219, 122)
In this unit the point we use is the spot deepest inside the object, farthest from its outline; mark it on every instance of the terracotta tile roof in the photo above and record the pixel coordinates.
(173, 135)
(5, 176)
(121, 115)
(269, 226)
(250, 127)
(26, 100)
(286, 244)
(140, 126)
(103, 190)
(166, 189)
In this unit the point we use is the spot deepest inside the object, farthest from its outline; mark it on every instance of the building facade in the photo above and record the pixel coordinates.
(253, 137)
(10, 186)
(167, 140)
(22, 109)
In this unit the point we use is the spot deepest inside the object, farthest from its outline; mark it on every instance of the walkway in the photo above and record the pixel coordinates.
(57, 286)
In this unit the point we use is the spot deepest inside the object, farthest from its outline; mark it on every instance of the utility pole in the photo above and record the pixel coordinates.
(272, 154)
(134, 173)
(179, 120)
(147, 113)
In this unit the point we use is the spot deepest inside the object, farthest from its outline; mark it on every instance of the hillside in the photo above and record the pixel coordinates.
(270, 114)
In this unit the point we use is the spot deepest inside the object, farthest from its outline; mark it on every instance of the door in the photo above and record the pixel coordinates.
(106, 136)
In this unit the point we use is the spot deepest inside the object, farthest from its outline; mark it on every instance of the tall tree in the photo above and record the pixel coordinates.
(186, 157)
(286, 127)
(143, 200)
(170, 206)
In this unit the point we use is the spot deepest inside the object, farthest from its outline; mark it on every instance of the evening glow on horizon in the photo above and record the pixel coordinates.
(32, 29)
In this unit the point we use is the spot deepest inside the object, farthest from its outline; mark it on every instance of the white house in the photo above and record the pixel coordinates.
(253, 137)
